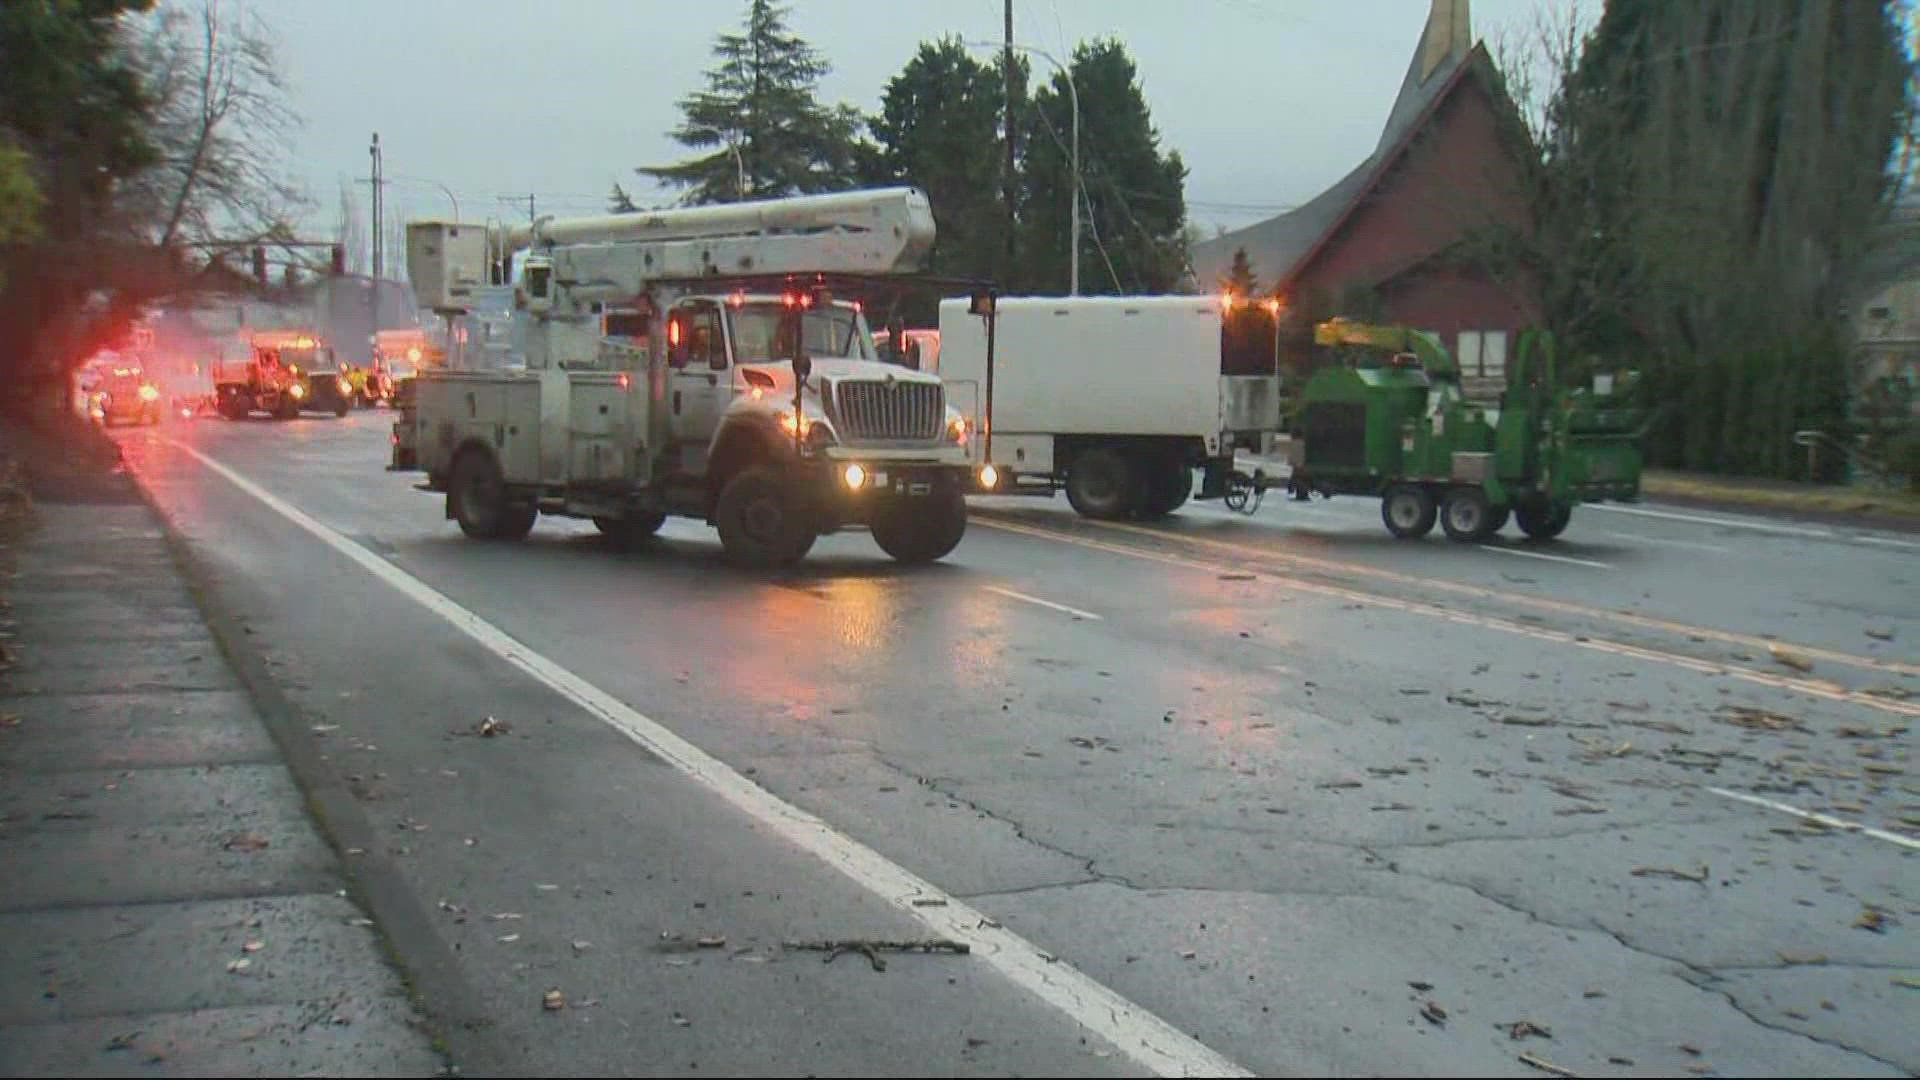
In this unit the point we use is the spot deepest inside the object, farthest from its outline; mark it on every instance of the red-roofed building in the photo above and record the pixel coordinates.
(1388, 241)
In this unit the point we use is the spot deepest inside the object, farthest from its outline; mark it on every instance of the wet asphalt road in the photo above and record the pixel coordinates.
(1323, 802)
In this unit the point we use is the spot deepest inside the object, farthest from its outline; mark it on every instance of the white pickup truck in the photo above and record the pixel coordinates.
(651, 387)
(1116, 398)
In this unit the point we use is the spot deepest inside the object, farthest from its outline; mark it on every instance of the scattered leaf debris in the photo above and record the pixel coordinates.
(1698, 877)
(553, 1000)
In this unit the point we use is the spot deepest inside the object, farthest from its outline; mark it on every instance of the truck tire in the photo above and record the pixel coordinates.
(289, 409)
(1169, 483)
(759, 523)
(629, 531)
(916, 531)
(341, 406)
(477, 495)
(1542, 521)
(236, 407)
(1102, 484)
(1467, 516)
(1408, 511)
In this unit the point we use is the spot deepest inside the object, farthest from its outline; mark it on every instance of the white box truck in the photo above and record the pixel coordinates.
(1115, 398)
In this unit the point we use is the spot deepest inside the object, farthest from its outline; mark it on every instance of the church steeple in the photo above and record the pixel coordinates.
(1449, 34)
(1444, 45)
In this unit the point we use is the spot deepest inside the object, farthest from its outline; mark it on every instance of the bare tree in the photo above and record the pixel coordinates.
(222, 123)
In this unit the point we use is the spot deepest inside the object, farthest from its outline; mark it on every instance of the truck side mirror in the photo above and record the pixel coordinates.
(802, 366)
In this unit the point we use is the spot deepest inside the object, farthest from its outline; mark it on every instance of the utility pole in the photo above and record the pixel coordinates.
(373, 151)
(1008, 175)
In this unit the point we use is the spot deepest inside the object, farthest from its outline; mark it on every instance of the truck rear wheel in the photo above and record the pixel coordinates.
(629, 531)
(1467, 516)
(1101, 483)
(1542, 521)
(759, 521)
(920, 530)
(477, 495)
(236, 406)
(1408, 511)
(1169, 483)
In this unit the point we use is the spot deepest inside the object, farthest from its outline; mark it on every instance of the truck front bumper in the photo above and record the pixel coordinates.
(847, 492)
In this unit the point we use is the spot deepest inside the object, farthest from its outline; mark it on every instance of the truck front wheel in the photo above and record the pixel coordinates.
(920, 530)
(759, 520)
(477, 495)
(1101, 483)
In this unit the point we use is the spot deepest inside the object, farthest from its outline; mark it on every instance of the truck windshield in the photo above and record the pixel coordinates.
(757, 337)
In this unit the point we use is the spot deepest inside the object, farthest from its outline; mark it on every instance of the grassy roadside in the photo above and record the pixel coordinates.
(1892, 506)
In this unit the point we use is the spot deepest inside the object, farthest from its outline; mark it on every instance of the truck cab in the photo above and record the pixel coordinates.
(283, 372)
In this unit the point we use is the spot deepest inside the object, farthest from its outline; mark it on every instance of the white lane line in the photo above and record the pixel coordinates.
(1149, 1041)
(1886, 540)
(1659, 541)
(1731, 523)
(1824, 819)
(1543, 555)
(1073, 611)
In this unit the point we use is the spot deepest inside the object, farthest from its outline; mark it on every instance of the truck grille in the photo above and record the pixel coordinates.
(888, 410)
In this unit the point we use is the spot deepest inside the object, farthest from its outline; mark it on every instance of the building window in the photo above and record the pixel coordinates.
(1879, 313)
(1493, 354)
(1467, 354)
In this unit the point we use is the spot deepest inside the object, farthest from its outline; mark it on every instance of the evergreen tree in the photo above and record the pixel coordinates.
(770, 136)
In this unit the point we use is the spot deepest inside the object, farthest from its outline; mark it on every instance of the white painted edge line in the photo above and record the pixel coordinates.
(1829, 821)
(1149, 1041)
(1731, 523)
(1543, 555)
(1073, 611)
(1661, 541)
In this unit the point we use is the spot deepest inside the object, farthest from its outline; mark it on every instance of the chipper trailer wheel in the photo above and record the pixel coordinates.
(1408, 511)
(1542, 521)
(1467, 516)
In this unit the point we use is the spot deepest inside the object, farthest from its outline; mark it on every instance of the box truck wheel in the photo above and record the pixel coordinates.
(760, 525)
(1408, 511)
(1542, 521)
(920, 530)
(1169, 483)
(477, 495)
(1467, 516)
(1101, 483)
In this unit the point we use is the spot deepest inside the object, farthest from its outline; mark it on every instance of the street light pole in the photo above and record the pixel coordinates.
(1073, 287)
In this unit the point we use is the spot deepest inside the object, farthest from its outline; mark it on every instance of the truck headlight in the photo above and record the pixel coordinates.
(149, 392)
(855, 476)
(296, 391)
(957, 430)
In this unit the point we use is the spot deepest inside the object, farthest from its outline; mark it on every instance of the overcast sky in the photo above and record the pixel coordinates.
(1268, 101)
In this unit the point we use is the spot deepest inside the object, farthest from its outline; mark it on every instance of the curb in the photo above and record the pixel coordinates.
(458, 1025)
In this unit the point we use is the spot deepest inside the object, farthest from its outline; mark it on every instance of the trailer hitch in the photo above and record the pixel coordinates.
(1245, 493)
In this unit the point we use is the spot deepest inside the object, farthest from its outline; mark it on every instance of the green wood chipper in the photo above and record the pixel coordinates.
(1390, 420)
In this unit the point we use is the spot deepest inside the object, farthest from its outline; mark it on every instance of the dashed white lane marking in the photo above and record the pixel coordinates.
(1073, 611)
(1661, 541)
(1828, 820)
(1543, 555)
(1149, 1041)
(1730, 523)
